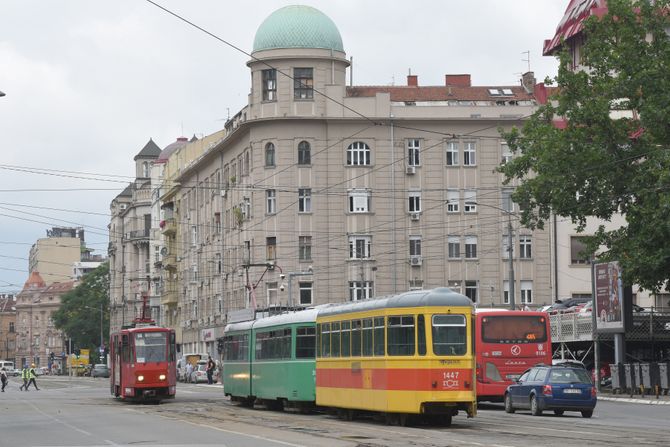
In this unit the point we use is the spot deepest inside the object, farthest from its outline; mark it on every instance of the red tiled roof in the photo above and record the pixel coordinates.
(573, 21)
(59, 287)
(439, 93)
(34, 281)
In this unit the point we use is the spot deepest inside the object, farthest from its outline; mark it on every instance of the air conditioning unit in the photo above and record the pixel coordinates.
(415, 216)
(224, 193)
(410, 170)
(415, 260)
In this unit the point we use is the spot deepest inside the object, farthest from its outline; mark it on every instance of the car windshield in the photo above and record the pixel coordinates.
(565, 375)
(202, 367)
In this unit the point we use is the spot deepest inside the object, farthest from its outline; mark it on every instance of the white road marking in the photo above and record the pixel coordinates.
(59, 421)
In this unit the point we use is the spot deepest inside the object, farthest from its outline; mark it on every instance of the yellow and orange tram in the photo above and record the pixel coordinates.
(402, 355)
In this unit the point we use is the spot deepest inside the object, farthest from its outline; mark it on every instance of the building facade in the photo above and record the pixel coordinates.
(54, 256)
(320, 192)
(7, 326)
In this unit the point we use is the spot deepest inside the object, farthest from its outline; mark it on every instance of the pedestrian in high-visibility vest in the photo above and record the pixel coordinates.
(32, 376)
(24, 376)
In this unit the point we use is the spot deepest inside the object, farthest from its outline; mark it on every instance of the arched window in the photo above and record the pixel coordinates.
(145, 169)
(358, 154)
(304, 153)
(269, 154)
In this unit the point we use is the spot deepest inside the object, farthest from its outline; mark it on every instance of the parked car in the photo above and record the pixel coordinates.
(557, 388)
(567, 303)
(16, 372)
(199, 373)
(100, 370)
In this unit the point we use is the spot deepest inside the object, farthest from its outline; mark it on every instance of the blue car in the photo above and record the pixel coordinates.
(557, 388)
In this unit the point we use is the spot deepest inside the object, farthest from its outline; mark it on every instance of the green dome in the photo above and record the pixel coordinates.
(298, 26)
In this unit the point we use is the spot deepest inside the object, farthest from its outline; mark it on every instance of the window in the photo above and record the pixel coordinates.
(400, 334)
(360, 247)
(359, 201)
(194, 235)
(506, 291)
(305, 288)
(305, 200)
(578, 253)
(360, 290)
(324, 339)
(269, 84)
(506, 154)
(271, 248)
(470, 201)
(273, 298)
(454, 244)
(471, 290)
(505, 246)
(151, 347)
(415, 245)
(414, 202)
(303, 83)
(145, 169)
(217, 223)
(269, 155)
(449, 334)
(507, 203)
(452, 153)
(469, 154)
(526, 292)
(305, 248)
(413, 151)
(305, 342)
(271, 201)
(525, 247)
(358, 154)
(304, 153)
(453, 198)
(470, 247)
(273, 345)
(415, 284)
(379, 342)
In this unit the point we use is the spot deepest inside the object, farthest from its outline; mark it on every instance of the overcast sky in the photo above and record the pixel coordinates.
(88, 82)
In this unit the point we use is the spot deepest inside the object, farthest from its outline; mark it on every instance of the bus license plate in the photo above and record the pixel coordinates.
(572, 391)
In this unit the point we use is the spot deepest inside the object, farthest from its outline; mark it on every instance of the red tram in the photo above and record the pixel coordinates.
(143, 362)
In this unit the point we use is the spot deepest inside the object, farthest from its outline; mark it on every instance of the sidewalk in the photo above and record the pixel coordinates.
(607, 395)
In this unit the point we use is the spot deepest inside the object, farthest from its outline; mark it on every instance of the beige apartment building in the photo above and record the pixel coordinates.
(54, 256)
(318, 191)
(7, 326)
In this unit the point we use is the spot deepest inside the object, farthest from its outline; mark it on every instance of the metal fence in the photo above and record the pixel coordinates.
(573, 326)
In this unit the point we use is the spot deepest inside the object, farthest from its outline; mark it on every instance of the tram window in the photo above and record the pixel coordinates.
(367, 337)
(400, 335)
(125, 350)
(318, 341)
(236, 347)
(379, 336)
(421, 334)
(325, 340)
(150, 347)
(305, 343)
(356, 338)
(449, 335)
(346, 338)
(173, 346)
(335, 340)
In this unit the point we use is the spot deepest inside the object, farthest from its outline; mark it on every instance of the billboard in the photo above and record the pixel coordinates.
(609, 297)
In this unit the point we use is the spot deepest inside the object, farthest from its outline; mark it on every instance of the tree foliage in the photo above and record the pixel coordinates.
(79, 313)
(606, 162)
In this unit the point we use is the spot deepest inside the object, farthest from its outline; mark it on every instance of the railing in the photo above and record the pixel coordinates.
(575, 326)
(139, 234)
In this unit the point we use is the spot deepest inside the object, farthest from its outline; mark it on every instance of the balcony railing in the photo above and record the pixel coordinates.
(139, 234)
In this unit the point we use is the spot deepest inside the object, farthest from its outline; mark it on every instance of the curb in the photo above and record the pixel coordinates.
(632, 400)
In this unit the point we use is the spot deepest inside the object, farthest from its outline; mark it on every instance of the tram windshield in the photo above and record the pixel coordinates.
(449, 335)
(150, 347)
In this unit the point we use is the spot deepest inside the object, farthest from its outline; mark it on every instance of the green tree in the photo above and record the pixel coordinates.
(613, 156)
(79, 313)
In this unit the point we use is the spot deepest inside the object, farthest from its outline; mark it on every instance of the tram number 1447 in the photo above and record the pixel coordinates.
(450, 379)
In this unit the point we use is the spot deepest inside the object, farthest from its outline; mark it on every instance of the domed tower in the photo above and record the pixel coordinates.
(296, 51)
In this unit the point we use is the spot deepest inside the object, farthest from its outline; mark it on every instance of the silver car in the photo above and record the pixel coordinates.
(100, 370)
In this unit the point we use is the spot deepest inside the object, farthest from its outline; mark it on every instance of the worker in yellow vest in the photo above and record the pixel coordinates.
(32, 376)
(24, 376)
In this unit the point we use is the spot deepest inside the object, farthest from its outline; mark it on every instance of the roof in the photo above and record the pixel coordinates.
(7, 303)
(298, 26)
(441, 93)
(172, 148)
(34, 281)
(60, 287)
(150, 150)
(572, 22)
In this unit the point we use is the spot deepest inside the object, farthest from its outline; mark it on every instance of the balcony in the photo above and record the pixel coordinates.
(139, 236)
(168, 226)
(169, 295)
(169, 262)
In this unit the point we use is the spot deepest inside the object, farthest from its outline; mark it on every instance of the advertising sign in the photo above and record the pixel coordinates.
(609, 299)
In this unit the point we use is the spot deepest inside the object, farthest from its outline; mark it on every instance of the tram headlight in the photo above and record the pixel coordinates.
(161, 377)
(140, 378)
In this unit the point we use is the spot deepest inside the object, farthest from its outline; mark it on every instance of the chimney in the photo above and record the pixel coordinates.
(412, 80)
(462, 80)
(528, 81)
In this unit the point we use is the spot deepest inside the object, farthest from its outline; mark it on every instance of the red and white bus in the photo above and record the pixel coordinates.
(143, 363)
(507, 343)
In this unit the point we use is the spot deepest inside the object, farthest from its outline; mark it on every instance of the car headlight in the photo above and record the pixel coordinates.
(140, 378)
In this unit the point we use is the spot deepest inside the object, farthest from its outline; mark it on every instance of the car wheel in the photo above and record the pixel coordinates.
(587, 413)
(558, 412)
(508, 404)
(535, 407)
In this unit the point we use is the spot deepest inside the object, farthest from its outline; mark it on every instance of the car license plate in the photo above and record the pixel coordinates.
(572, 391)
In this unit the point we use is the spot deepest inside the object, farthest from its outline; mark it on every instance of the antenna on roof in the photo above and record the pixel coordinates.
(527, 53)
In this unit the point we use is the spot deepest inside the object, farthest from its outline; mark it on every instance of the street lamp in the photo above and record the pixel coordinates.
(510, 248)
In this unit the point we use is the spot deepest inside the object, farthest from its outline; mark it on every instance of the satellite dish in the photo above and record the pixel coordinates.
(164, 251)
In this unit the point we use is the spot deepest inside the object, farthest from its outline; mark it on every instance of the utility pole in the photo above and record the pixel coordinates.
(510, 243)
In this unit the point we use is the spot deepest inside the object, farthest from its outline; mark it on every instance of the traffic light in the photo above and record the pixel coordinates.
(52, 356)
(77, 352)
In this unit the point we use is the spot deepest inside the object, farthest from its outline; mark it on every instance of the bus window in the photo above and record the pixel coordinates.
(305, 343)
(421, 334)
(150, 347)
(401, 335)
(346, 338)
(514, 329)
(356, 338)
(379, 336)
(449, 335)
